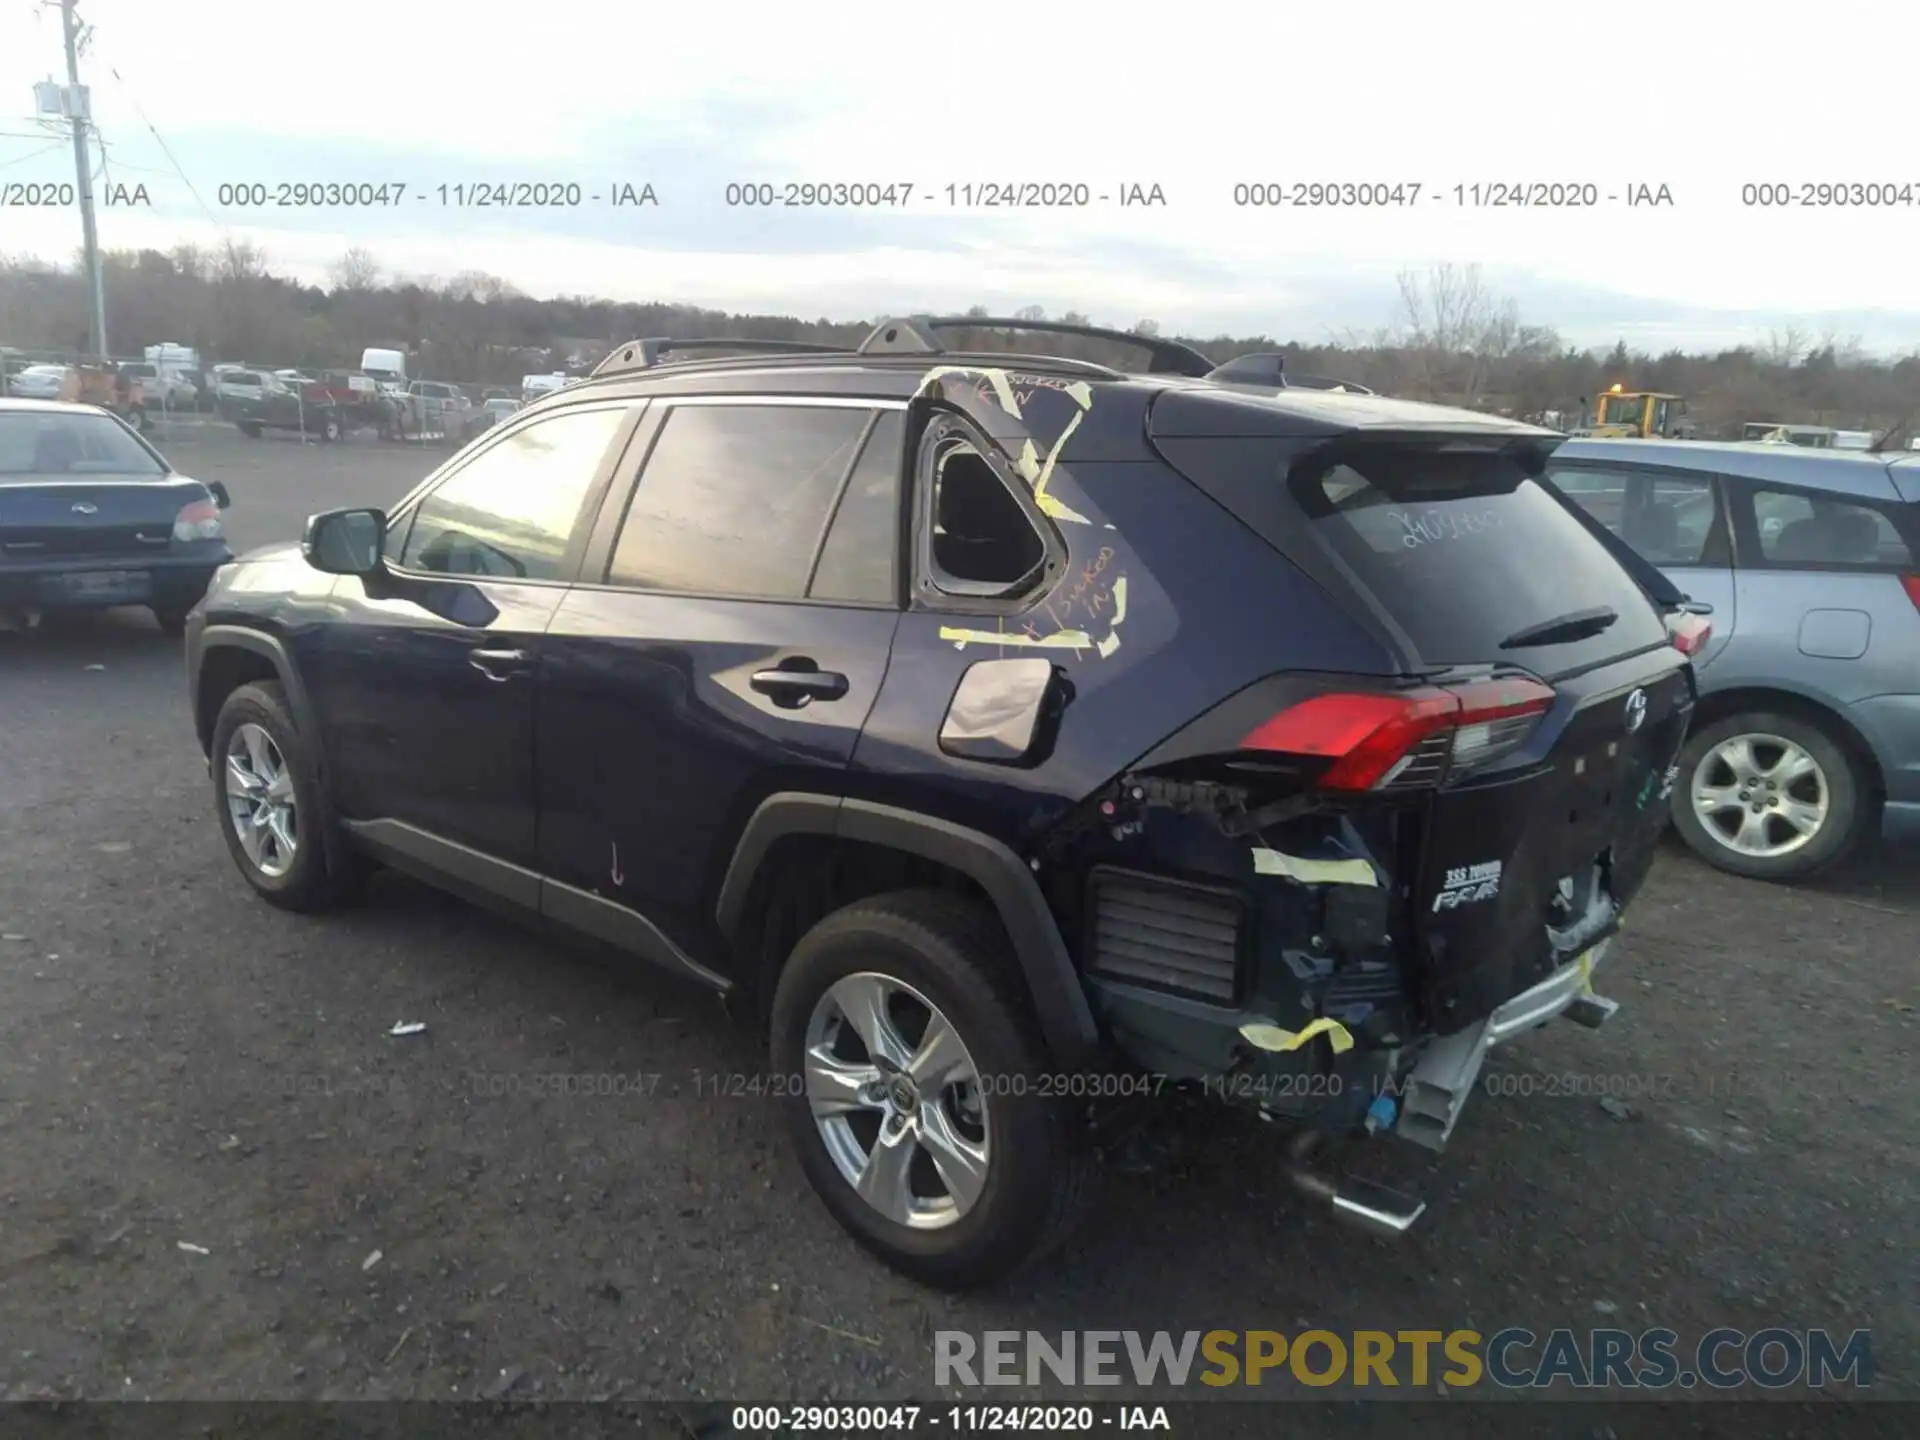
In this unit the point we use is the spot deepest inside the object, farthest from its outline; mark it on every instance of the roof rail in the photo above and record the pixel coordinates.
(918, 335)
(645, 354)
(1320, 382)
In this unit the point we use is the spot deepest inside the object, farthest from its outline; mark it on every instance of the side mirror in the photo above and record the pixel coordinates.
(345, 542)
(220, 496)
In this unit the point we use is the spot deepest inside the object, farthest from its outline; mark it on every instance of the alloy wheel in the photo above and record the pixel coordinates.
(1761, 795)
(260, 802)
(897, 1100)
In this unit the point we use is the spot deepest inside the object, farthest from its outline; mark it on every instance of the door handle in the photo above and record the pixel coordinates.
(797, 687)
(492, 663)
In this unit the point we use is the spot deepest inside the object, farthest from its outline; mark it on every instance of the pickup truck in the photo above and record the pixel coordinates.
(435, 407)
(325, 407)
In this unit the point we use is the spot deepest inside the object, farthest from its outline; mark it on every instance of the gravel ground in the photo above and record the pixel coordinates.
(221, 1176)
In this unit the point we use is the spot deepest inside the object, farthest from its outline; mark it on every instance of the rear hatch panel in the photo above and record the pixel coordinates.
(1529, 865)
(1440, 537)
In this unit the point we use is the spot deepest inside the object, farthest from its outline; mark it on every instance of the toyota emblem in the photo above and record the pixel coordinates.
(1636, 710)
(83, 508)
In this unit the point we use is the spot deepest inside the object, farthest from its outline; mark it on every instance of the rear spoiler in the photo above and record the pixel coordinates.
(1660, 589)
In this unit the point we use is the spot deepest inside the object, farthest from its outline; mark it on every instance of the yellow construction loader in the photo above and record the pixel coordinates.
(1643, 414)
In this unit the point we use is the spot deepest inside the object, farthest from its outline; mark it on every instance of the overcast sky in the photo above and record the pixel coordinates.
(1702, 98)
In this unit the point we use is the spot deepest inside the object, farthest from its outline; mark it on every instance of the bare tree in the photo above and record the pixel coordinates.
(1786, 346)
(240, 260)
(1146, 327)
(190, 261)
(355, 270)
(1454, 328)
(1030, 312)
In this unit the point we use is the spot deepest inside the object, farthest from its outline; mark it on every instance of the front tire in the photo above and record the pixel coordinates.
(920, 1120)
(1770, 796)
(267, 797)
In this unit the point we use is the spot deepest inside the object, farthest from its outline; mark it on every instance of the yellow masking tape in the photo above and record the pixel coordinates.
(1041, 498)
(1002, 387)
(1059, 640)
(1272, 1037)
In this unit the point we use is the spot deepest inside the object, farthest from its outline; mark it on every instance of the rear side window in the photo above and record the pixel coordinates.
(1463, 552)
(733, 499)
(1800, 529)
(859, 559)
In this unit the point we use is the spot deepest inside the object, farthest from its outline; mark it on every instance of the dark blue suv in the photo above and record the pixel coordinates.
(1017, 738)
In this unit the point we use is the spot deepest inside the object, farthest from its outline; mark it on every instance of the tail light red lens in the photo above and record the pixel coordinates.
(1374, 739)
(1689, 632)
(1911, 584)
(199, 520)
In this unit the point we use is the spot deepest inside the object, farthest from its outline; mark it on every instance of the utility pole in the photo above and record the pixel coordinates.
(80, 115)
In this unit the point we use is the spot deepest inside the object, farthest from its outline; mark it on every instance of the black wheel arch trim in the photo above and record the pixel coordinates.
(1059, 1001)
(299, 702)
(269, 647)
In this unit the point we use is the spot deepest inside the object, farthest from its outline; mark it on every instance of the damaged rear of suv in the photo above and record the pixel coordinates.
(1332, 892)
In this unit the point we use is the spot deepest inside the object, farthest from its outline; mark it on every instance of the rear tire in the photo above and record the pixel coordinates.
(1813, 794)
(252, 432)
(172, 623)
(287, 863)
(1020, 1160)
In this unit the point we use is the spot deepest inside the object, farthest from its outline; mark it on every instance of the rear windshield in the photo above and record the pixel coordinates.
(1463, 552)
(70, 443)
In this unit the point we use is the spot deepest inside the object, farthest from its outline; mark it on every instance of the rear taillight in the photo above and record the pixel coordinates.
(1379, 739)
(197, 521)
(1911, 584)
(1689, 633)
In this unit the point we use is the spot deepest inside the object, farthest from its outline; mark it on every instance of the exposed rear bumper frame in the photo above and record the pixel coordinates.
(1448, 1070)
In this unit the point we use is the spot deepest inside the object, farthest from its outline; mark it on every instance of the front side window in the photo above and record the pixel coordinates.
(1666, 518)
(1621, 410)
(510, 511)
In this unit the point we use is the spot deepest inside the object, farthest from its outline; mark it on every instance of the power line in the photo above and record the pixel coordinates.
(32, 155)
(167, 150)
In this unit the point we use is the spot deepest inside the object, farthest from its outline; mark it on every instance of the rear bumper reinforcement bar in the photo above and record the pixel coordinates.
(1438, 1088)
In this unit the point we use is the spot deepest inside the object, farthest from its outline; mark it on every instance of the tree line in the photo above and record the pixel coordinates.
(1452, 338)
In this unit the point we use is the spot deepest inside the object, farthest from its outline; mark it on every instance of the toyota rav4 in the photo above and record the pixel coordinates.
(1009, 735)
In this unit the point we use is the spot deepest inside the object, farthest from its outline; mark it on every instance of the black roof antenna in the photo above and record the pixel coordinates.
(1268, 369)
